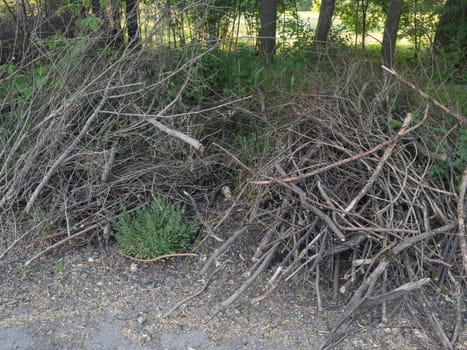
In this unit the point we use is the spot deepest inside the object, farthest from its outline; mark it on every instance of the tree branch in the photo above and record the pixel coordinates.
(424, 95)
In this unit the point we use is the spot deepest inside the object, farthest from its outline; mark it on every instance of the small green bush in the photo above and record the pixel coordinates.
(151, 232)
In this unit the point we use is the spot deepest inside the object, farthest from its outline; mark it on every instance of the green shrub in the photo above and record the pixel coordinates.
(151, 232)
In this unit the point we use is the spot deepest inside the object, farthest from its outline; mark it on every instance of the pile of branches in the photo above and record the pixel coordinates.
(346, 194)
(96, 132)
(347, 199)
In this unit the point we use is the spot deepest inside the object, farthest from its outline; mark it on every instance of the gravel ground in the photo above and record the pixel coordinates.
(95, 299)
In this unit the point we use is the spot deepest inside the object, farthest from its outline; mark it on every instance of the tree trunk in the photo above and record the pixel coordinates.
(326, 12)
(451, 26)
(364, 18)
(116, 19)
(267, 32)
(51, 7)
(97, 9)
(390, 32)
(131, 14)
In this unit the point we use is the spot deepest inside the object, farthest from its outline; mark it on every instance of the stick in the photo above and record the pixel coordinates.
(318, 294)
(458, 297)
(461, 220)
(65, 154)
(186, 300)
(222, 249)
(381, 163)
(17, 240)
(424, 95)
(395, 293)
(87, 229)
(263, 296)
(234, 157)
(322, 215)
(177, 134)
(327, 167)
(110, 162)
(436, 326)
(408, 242)
(172, 116)
(157, 258)
(253, 277)
(360, 296)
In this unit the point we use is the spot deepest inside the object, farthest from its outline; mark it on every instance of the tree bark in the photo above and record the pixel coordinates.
(97, 9)
(390, 32)
(365, 5)
(131, 14)
(326, 13)
(267, 32)
(116, 19)
(451, 26)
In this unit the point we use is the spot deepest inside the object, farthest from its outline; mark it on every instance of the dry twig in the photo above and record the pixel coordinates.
(461, 209)
(158, 258)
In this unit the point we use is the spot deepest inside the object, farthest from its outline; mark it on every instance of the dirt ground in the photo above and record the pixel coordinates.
(89, 298)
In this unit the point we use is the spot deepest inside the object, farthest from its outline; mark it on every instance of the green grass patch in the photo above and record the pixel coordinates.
(154, 231)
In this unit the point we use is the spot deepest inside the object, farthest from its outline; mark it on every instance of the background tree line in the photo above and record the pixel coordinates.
(425, 23)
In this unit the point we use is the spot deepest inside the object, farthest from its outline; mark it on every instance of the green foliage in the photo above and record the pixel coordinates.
(418, 22)
(90, 23)
(240, 73)
(151, 232)
(231, 74)
(17, 88)
(356, 15)
(20, 271)
(105, 3)
(305, 5)
(290, 28)
(451, 31)
(60, 266)
(255, 147)
(456, 148)
(339, 35)
(21, 85)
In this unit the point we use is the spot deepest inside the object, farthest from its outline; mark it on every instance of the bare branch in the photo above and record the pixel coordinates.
(380, 165)
(461, 209)
(65, 154)
(177, 134)
(424, 95)
(252, 278)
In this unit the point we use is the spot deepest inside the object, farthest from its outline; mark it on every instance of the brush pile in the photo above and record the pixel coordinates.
(92, 133)
(349, 199)
(347, 195)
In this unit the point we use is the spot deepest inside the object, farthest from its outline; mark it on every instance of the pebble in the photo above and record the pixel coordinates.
(358, 343)
(141, 319)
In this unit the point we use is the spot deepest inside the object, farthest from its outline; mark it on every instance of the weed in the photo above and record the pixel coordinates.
(154, 231)
(245, 312)
(21, 271)
(60, 266)
(255, 148)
